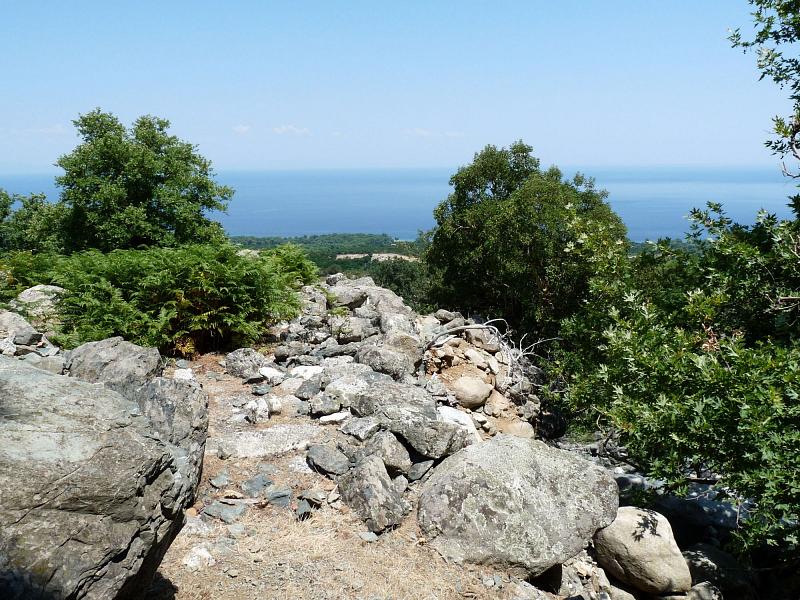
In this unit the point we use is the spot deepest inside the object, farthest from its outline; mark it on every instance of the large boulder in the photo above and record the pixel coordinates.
(120, 365)
(710, 564)
(40, 304)
(387, 360)
(410, 412)
(515, 503)
(16, 328)
(638, 548)
(369, 491)
(91, 493)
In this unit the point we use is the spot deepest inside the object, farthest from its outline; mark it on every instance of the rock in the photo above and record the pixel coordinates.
(272, 375)
(322, 404)
(303, 510)
(286, 351)
(7, 346)
(352, 329)
(327, 459)
(706, 591)
(521, 429)
(368, 536)
(462, 419)
(40, 304)
(445, 316)
(617, 592)
(183, 374)
(277, 440)
(255, 487)
(198, 558)
(120, 365)
(400, 484)
(418, 470)
(52, 364)
(91, 497)
(361, 428)
(482, 339)
(315, 497)
(279, 496)
(245, 363)
(310, 387)
(385, 360)
(369, 491)
(410, 412)
(471, 392)
(12, 324)
(228, 511)
(515, 503)
(496, 404)
(345, 294)
(709, 564)
(305, 372)
(394, 455)
(476, 358)
(222, 480)
(346, 388)
(335, 418)
(638, 549)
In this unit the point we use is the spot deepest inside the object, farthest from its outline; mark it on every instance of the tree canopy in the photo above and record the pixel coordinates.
(513, 240)
(124, 188)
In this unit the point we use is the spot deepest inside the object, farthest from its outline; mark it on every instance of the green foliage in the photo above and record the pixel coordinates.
(694, 356)
(29, 223)
(516, 241)
(409, 279)
(139, 187)
(181, 300)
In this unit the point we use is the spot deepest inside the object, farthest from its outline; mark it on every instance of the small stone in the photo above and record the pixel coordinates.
(220, 481)
(361, 428)
(233, 573)
(261, 389)
(327, 459)
(184, 374)
(255, 486)
(303, 510)
(419, 469)
(335, 418)
(315, 497)
(237, 530)
(368, 536)
(198, 558)
(279, 496)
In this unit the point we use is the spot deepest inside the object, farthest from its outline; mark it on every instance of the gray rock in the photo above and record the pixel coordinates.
(222, 480)
(410, 412)
(12, 324)
(368, 536)
(327, 459)
(229, 511)
(638, 549)
(303, 510)
(347, 387)
(385, 360)
(120, 365)
(286, 351)
(394, 455)
(310, 388)
(245, 363)
(361, 428)
(346, 294)
(352, 329)
(369, 491)
(91, 497)
(255, 487)
(706, 591)
(323, 404)
(279, 496)
(52, 364)
(515, 503)
(418, 470)
(445, 316)
(400, 483)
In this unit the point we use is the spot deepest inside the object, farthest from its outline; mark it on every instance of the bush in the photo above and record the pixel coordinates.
(182, 300)
(693, 355)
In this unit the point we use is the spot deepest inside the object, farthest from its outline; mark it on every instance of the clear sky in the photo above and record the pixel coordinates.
(418, 83)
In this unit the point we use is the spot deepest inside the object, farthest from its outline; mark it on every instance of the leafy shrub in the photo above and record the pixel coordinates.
(181, 300)
(694, 357)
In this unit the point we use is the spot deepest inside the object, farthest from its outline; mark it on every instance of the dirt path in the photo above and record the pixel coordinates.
(268, 553)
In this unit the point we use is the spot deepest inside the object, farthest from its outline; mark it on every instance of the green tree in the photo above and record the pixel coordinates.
(30, 223)
(124, 188)
(517, 241)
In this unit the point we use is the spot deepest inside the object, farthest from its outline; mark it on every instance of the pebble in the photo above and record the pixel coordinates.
(261, 390)
(337, 417)
(221, 480)
(368, 536)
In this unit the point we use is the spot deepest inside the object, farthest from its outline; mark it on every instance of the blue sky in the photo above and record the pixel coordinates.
(263, 85)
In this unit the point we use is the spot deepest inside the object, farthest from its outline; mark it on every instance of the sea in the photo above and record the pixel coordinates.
(653, 202)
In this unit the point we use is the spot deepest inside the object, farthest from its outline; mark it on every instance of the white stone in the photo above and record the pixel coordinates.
(453, 415)
(306, 371)
(272, 375)
(338, 417)
(198, 558)
(184, 374)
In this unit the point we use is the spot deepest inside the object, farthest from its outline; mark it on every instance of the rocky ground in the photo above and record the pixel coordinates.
(366, 452)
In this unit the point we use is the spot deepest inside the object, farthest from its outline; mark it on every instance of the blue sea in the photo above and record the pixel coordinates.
(653, 202)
